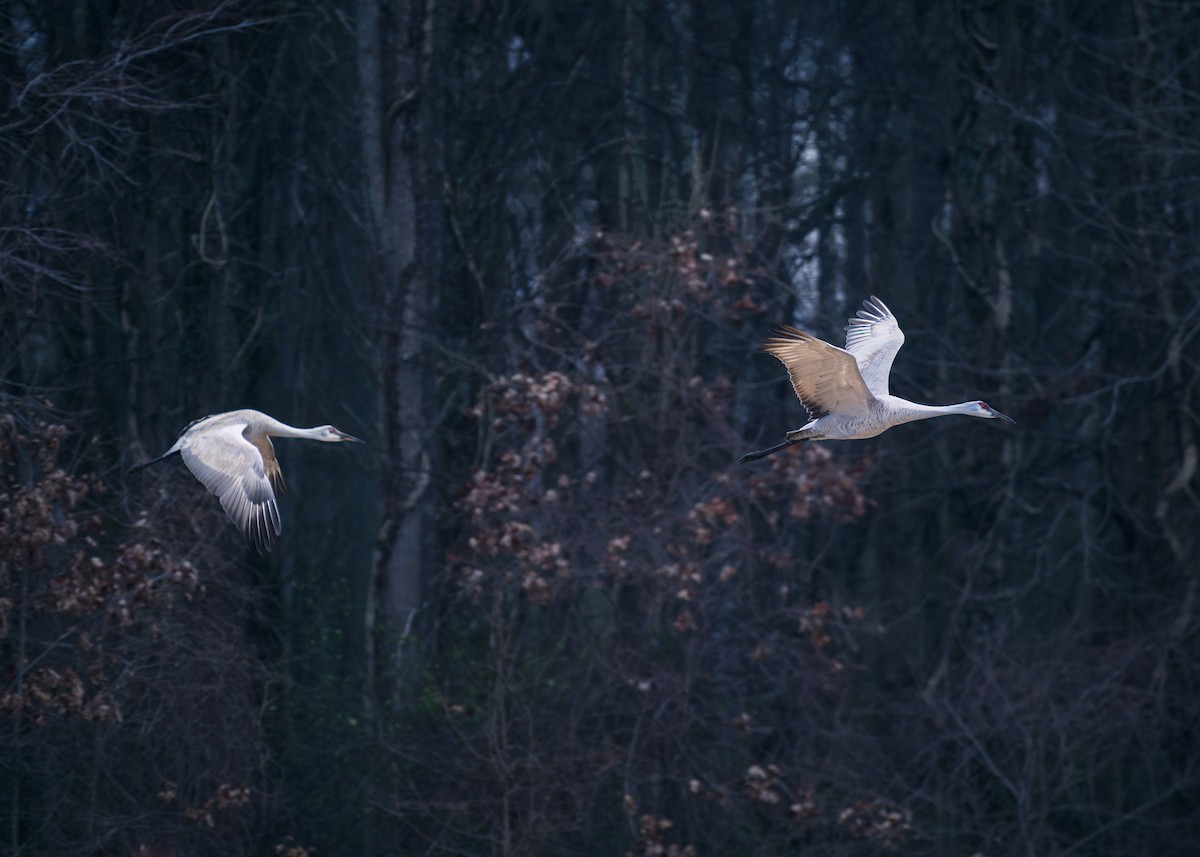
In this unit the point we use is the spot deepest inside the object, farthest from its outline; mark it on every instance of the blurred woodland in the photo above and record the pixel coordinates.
(528, 251)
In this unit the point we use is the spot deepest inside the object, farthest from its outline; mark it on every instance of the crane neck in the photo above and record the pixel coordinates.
(914, 411)
(274, 428)
(284, 430)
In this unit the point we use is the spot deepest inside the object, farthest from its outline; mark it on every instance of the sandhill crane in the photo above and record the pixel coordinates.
(845, 390)
(232, 455)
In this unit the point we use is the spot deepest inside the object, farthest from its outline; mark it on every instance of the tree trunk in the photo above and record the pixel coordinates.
(399, 113)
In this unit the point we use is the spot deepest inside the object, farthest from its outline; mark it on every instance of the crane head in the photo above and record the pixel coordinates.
(333, 435)
(987, 412)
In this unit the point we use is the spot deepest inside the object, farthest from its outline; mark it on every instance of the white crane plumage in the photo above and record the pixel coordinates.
(845, 390)
(232, 455)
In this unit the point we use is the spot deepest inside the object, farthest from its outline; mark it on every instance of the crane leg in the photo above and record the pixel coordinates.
(763, 453)
(140, 467)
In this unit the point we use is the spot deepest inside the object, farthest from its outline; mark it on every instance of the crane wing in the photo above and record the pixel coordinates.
(231, 467)
(873, 336)
(827, 379)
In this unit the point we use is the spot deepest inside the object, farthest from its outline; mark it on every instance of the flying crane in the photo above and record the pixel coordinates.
(845, 390)
(232, 455)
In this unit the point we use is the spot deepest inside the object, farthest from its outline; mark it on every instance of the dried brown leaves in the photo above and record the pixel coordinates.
(811, 483)
(54, 568)
(652, 832)
(504, 502)
(227, 797)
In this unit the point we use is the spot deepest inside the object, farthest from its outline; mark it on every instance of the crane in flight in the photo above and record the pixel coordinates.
(232, 455)
(845, 390)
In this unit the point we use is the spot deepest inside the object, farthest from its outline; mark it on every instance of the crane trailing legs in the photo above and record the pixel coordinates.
(845, 390)
(232, 455)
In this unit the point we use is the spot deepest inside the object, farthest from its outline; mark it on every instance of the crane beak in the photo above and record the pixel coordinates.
(343, 436)
(1001, 416)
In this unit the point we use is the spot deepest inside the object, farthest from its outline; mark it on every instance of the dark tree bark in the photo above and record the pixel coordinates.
(717, 99)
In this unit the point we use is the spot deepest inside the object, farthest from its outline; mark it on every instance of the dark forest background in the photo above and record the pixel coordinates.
(528, 250)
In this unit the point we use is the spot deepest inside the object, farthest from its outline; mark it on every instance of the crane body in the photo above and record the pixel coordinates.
(845, 390)
(232, 456)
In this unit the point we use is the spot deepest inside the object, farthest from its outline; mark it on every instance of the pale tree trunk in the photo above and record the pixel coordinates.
(400, 129)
